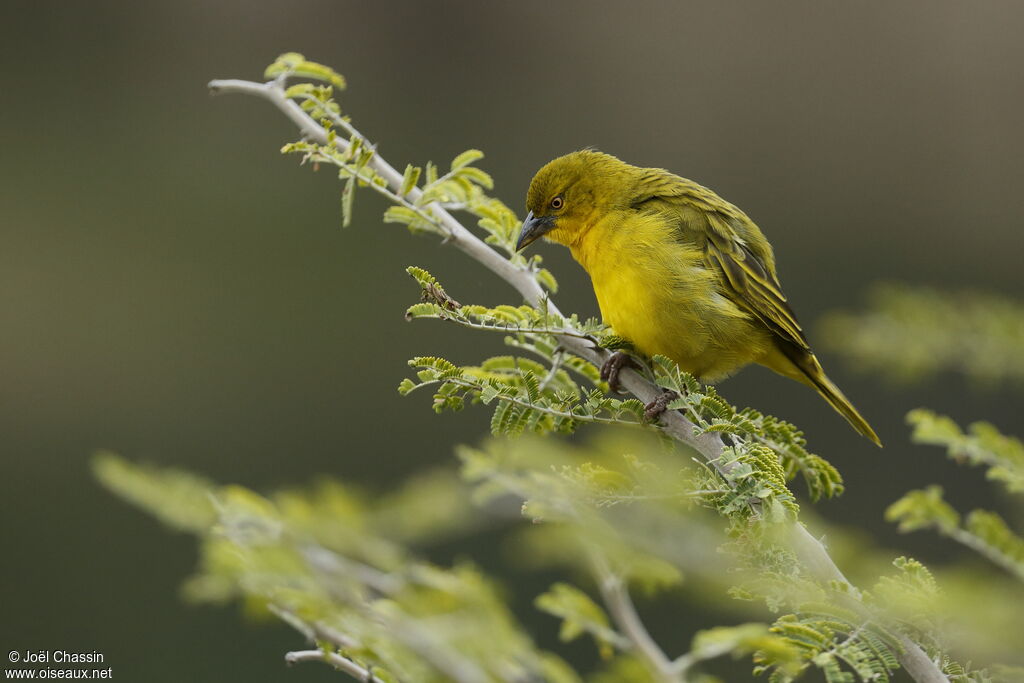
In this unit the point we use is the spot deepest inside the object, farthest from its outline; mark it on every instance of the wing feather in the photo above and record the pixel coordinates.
(733, 245)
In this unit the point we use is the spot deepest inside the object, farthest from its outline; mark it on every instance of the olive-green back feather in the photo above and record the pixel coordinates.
(732, 243)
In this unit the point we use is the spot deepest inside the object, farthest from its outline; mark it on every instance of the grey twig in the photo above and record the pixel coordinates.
(616, 597)
(313, 631)
(333, 659)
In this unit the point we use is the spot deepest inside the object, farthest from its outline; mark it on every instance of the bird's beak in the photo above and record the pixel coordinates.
(533, 228)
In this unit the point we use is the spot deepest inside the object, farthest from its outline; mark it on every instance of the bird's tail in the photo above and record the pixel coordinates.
(812, 374)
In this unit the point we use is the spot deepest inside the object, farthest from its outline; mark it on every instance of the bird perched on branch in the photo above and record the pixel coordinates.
(677, 271)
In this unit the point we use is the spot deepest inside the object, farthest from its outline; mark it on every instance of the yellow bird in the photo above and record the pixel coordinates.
(677, 271)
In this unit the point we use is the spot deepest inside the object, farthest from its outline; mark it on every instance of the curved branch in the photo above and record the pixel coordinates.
(673, 423)
(620, 605)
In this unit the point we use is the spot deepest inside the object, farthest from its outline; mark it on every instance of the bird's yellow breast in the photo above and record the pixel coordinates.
(656, 291)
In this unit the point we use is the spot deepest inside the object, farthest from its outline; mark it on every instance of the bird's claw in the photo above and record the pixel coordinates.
(654, 409)
(611, 368)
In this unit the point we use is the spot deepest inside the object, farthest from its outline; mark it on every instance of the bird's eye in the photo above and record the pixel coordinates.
(557, 203)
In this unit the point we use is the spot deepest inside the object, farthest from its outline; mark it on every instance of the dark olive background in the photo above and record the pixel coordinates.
(173, 289)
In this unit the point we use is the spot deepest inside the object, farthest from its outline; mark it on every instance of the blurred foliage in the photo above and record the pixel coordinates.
(982, 444)
(327, 559)
(981, 530)
(911, 333)
(629, 510)
(908, 333)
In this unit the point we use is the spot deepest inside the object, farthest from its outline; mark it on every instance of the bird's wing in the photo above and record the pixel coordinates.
(733, 245)
(749, 283)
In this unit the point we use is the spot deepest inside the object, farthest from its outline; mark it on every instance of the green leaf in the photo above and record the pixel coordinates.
(409, 179)
(547, 280)
(983, 445)
(409, 217)
(300, 89)
(179, 499)
(477, 176)
(295, 64)
(922, 509)
(745, 639)
(579, 615)
(431, 173)
(466, 158)
(347, 197)
(284, 62)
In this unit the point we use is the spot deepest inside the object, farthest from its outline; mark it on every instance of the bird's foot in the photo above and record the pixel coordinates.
(611, 368)
(654, 409)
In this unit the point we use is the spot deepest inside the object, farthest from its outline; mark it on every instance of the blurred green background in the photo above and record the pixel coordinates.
(173, 289)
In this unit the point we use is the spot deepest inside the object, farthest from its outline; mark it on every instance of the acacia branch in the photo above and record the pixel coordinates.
(616, 597)
(709, 445)
(815, 557)
(333, 659)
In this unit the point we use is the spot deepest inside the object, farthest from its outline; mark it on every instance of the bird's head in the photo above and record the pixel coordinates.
(569, 194)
